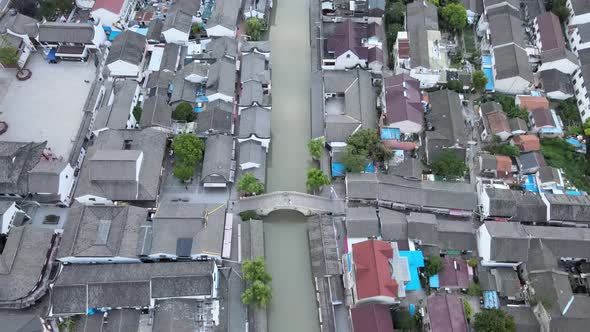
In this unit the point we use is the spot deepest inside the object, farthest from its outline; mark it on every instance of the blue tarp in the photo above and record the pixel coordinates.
(415, 261)
(370, 168)
(433, 281)
(530, 185)
(412, 309)
(491, 300)
(486, 60)
(338, 169)
(113, 35)
(573, 193)
(574, 142)
(51, 54)
(142, 31)
(198, 109)
(390, 133)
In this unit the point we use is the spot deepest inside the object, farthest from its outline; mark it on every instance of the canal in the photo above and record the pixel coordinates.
(293, 307)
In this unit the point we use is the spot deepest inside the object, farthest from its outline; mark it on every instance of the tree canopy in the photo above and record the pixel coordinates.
(8, 53)
(137, 110)
(184, 112)
(316, 179)
(367, 142)
(395, 12)
(258, 294)
(188, 148)
(494, 320)
(256, 270)
(455, 16)
(448, 164)
(249, 184)
(479, 80)
(254, 28)
(558, 7)
(316, 147)
(183, 171)
(354, 163)
(503, 150)
(433, 266)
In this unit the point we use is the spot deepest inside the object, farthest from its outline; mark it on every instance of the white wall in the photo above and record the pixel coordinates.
(427, 78)
(484, 201)
(574, 18)
(265, 142)
(98, 260)
(248, 13)
(406, 126)
(122, 68)
(220, 31)
(559, 95)
(349, 60)
(66, 182)
(512, 85)
(8, 218)
(106, 17)
(175, 36)
(221, 96)
(100, 37)
(563, 65)
(484, 243)
(576, 42)
(580, 90)
(94, 200)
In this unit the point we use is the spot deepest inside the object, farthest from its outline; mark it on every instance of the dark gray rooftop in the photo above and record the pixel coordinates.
(512, 61)
(170, 57)
(16, 160)
(44, 177)
(420, 17)
(255, 120)
(55, 32)
(129, 47)
(255, 67)
(556, 81)
(225, 14)
(252, 159)
(447, 119)
(217, 164)
(222, 77)
(217, 117)
(362, 222)
(394, 225)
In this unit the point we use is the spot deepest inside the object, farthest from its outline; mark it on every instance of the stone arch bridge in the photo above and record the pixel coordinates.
(291, 200)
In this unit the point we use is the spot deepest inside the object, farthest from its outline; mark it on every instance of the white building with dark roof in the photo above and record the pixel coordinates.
(218, 163)
(126, 56)
(224, 19)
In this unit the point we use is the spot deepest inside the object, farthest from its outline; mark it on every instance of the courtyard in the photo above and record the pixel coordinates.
(48, 106)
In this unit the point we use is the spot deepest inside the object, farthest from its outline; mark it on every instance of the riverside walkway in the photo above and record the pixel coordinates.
(291, 200)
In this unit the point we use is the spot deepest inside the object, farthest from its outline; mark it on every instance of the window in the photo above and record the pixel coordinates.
(580, 74)
(92, 199)
(577, 91)
(574, 81)
(580, 102)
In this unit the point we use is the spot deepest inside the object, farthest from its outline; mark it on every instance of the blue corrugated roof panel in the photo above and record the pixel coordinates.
(415, 261)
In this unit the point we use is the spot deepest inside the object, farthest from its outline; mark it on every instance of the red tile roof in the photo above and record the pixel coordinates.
(114, 6)
(527, 143)
(533, 102)
(498, 122)
(503, 164)
(446, 314)
(371, 318)
(550, 31)
(397, 145)
(372, 269)
(451, 277)
(403, 48)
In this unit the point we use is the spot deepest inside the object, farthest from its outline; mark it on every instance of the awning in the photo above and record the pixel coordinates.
(51, 55)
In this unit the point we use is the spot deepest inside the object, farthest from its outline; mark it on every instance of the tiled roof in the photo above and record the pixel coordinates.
(527, 143)
(373, 275)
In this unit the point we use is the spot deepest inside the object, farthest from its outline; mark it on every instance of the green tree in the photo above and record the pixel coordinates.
(472, 262)
(367, 142)
(503, 149)
(188, 148)
(248, 215)
(137, 110)
(559, 8)
(455, 86)
(392, 30)
(316, 147)
(353, 162)
(184, 112)
(255, 269)
(403, 320)
(316, 179)
(249, 184)
(494, 320)
(183, 171)
(8, 53)
(455, 16)
(435, 2)
(448, 164)
(468, 309)
(254, 28)
(434, 265)
(67, 325)
(568, 112)
(395, 12)
(479, 80)
(474, 290)
(258, 294)
(25, 7)
(196, 29)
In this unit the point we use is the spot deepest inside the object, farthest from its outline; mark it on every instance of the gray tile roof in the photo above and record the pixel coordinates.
(183, 90)
(530, 207)
(160, 79)
(54, 32)
(325, 258)
(410, 168)
(129, 47)
(359, 103)
(502, 202)
(584, 31)
(449, 125)
(222, 77)
(255, 120)
(155, 30)
(530, 161)
(580, 7)
(170, 58)
(362, 222)
(517, 124)
(394, 225)
(420, 18)
(22, 260)
(217, 117)
(524, 318)
(510, 242)
(180, 15)
(556, 81)
(102, 231)
(217, 164)
(441, 233)
(16, 160)
(175, 221)
(116, 116)
(44, 177)
(254, 92)
(220, 47)
(512, 61)
(80, 286)
(252, 159)
(151, 142)
(569, 207)
(251, 46)
(155, 110)
(506, 27)
(255, 67)
(225, 14)
(18, 23)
